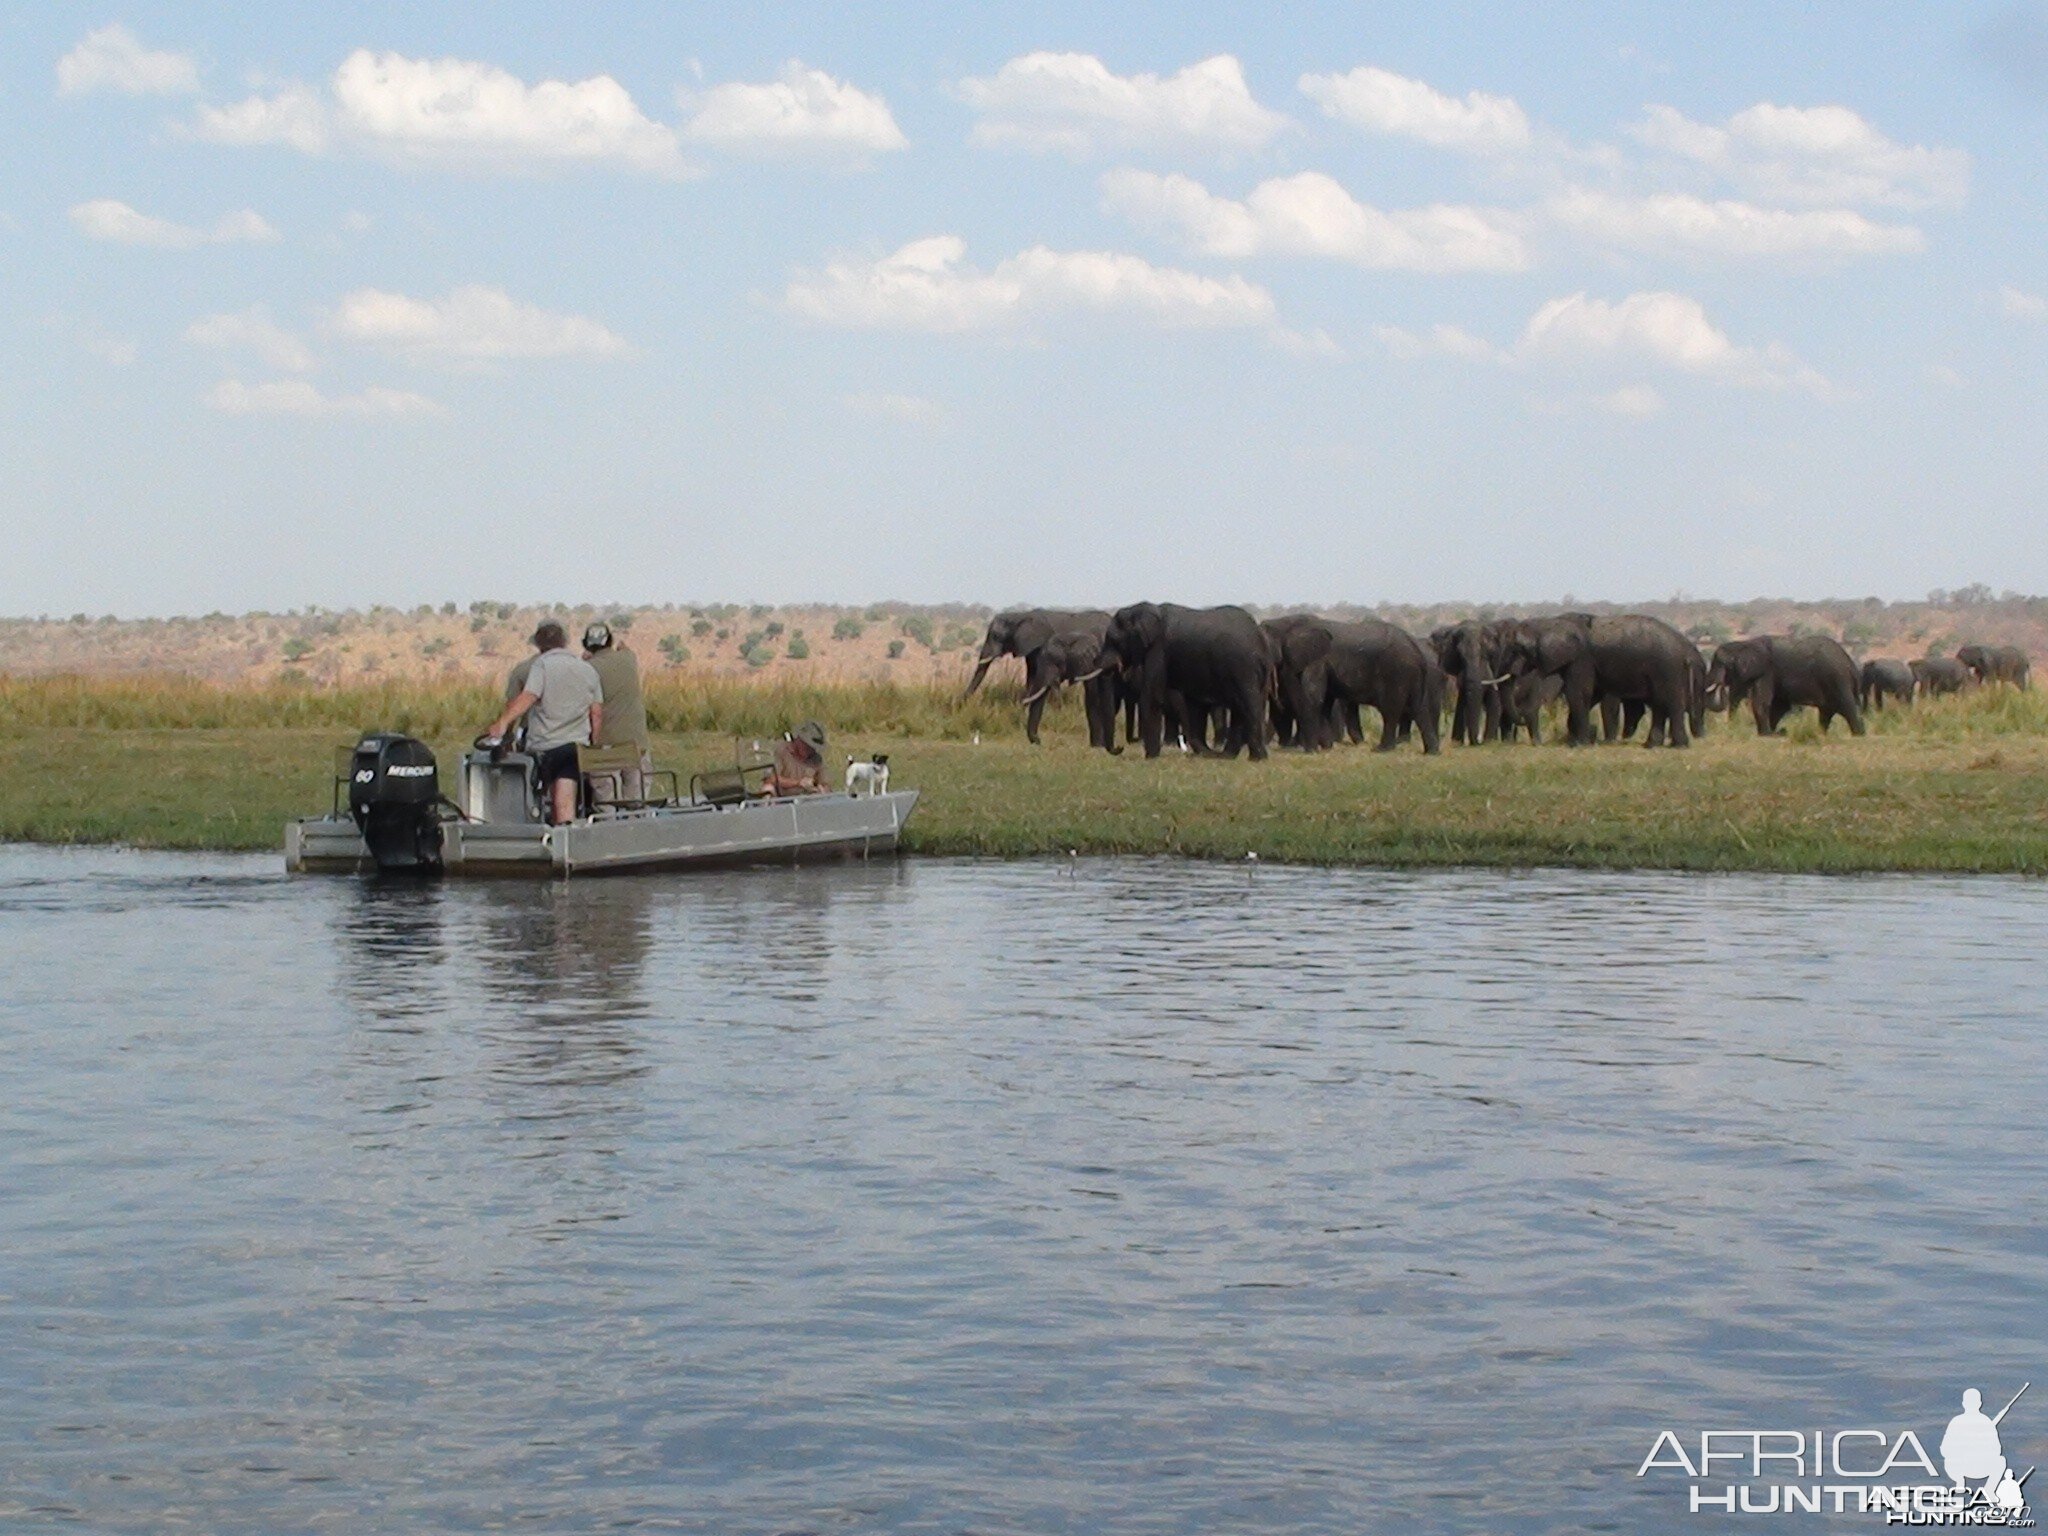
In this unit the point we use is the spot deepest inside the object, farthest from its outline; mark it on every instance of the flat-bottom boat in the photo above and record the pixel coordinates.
(396, 820)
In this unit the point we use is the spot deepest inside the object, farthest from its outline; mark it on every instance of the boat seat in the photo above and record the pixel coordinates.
(603, 770)
(727, 786)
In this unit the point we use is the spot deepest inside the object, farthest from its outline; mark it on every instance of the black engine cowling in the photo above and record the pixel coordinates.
(394, 795)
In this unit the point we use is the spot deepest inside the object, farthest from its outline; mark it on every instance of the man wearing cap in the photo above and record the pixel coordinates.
(799, 762)
(563, 703)
(625, 712)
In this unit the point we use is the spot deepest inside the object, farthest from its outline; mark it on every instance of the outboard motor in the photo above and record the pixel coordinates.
(394, 796)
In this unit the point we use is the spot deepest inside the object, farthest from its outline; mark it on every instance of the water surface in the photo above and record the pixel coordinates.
(1133, 1196)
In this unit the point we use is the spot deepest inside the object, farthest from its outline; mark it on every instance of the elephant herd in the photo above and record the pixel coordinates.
(1169, 673)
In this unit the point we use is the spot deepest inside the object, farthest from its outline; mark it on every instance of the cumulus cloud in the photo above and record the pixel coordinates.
(253, 331)
(106, 218)
(1380, 101)
(806, 110)
(295, 397)
(1311, 215)
(1668, 330)
(1072, 103)
(2018, 304)
(1660, 330)
(928, 286)
(451, 110)
(1438, 341)
(472, 324)
(1680, 224)
(1811, 156)
(113, 59)
(1636, 400)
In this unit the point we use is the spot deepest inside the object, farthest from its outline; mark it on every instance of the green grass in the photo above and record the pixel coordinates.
(1956, 784)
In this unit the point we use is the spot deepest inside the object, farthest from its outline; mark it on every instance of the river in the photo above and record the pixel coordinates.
(1103, 1196)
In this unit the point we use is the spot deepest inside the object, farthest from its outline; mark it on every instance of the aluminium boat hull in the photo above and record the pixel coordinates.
(779, 831)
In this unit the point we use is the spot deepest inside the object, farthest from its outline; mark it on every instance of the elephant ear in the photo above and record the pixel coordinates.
(1313, 643)
(1147, 624)
(1030, 634)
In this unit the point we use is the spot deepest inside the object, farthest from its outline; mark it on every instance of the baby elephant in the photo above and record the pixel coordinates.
(1886, 677)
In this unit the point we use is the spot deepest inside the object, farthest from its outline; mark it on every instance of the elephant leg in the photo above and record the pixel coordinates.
(1032, 716)
(1390, 727)
(1855, 718)
(1610, 719)
(1426, 722)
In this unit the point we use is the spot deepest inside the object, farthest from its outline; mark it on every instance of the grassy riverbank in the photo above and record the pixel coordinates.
(1957, 784)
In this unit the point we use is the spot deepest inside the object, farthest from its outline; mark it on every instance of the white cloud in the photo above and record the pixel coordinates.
(106, 218)
(1071, 102)
(926, 286)
(1311, 215)
(295, 397)
(1666, 329)
(1637, 400)
(1438, 341)
(113, 59)
(1677, 223)
(472, 324)
(911, 410)
(252, 330)
(1811, 156)
(805, 110)
(296, 116)
(451, 109)
(1382, 102)
(1315, 343)
(2018, 304)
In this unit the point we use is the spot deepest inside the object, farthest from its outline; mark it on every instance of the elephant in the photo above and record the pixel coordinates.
(1939, 674)
(1997, 664)
(1883, 677)
(1780, 673)
(1024, 631)
(1189, 662)
(1300, 647)
(1619, 717)
(1073, 657)
(1328, 670)
(1632, 657)
(1472, 655)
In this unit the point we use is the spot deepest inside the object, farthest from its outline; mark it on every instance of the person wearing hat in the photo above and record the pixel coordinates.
(563, 704)
(625, 711)
(799, 762)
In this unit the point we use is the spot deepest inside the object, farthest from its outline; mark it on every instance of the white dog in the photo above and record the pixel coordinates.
(868, 778)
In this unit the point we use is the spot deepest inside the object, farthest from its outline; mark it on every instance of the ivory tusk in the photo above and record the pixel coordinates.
(1088, 677)
(1033, 698)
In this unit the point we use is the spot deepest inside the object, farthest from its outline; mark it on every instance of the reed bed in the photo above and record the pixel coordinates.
(677, 703)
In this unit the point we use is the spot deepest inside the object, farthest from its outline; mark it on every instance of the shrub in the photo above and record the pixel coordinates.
(699, 628)
(672, 647)
(919, 628)
(848, 628)
(895, 649)
(799, 648)
(297, 650)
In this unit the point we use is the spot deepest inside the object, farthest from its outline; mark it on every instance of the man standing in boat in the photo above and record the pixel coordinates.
(563, 703)
(625, 711)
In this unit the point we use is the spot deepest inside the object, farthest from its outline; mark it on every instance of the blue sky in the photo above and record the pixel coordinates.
(403, 304)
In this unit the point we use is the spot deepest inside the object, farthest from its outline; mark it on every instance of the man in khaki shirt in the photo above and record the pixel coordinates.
(625, 710)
